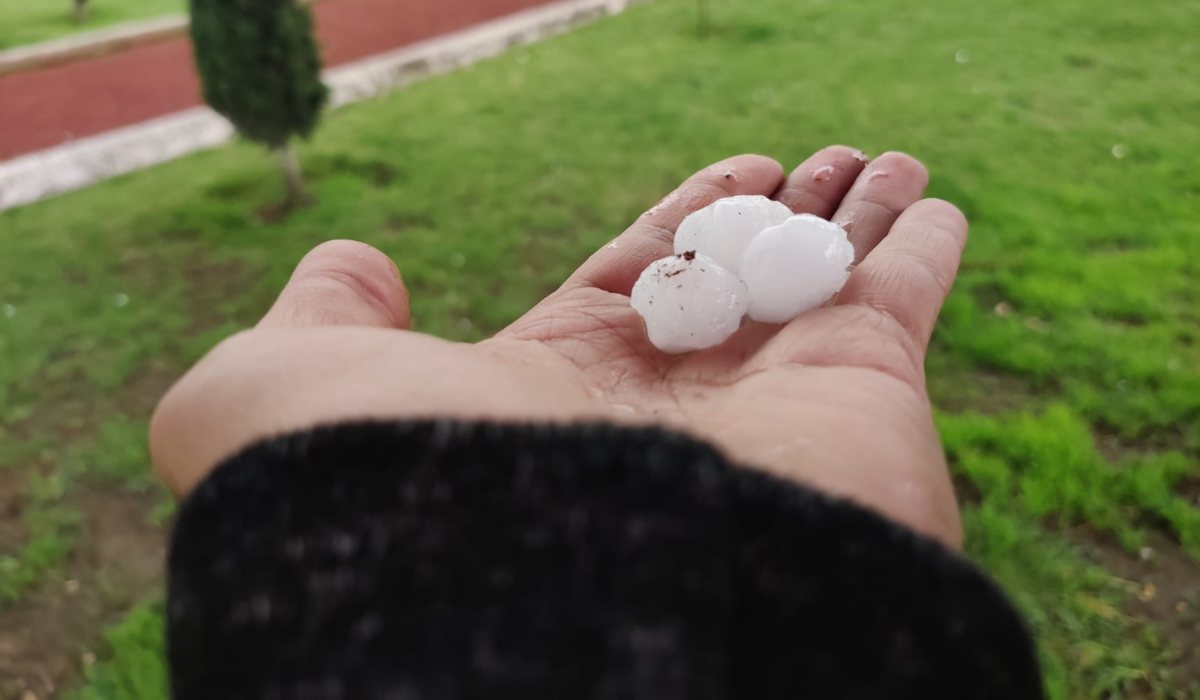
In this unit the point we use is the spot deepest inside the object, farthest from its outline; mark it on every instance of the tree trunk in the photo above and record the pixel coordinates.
(297, 195)
(81, 11)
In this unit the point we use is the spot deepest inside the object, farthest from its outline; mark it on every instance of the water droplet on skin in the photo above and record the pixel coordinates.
(9, 310)
(962, 56)
(120, 300)
(824, 173)
(1120, 150)
(730, 175)
(877, 175)
(860, 157)
(614, 245)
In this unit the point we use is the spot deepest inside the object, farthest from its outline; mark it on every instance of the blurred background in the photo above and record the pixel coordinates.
(1065, 370)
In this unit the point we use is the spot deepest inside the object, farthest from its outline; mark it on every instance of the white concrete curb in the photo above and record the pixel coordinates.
(78, 164)
(83, 162)
(99, 41)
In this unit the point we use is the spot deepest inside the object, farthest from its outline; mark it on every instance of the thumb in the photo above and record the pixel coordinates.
(342, 283)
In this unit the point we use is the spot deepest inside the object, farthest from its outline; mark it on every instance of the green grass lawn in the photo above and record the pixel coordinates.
(1066, 367)
(30, 21)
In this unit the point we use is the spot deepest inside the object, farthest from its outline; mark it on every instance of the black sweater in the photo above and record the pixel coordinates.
(448, 560)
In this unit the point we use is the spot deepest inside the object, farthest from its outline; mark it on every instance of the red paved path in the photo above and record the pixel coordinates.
(49, 106)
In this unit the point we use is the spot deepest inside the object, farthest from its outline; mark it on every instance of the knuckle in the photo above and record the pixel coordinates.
(922, 266)
(891, 345)
(338, 280)
(873, 337)
(351, 260)
(906, 356)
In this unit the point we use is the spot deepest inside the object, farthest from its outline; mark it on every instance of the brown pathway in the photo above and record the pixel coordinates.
(49, 106)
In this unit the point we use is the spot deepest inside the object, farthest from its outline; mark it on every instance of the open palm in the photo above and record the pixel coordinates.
(835, 399)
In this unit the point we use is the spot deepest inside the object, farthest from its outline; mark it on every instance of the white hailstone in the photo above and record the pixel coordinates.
(723, 229)
(688, 302)
(796, 266)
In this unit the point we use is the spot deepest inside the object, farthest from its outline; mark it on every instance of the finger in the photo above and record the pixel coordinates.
(342, 283)
(818, 185)
(910, 273)
(616, 266)
(885, 188)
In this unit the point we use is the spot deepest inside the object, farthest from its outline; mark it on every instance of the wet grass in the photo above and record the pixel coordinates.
(136, 671)
(23, 22)
(1067, 363)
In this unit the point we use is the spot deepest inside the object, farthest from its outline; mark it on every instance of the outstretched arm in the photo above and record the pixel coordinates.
(539, 514)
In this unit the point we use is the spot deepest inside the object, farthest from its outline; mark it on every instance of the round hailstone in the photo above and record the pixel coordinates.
(688, 302)
(796, 266)
(723, 229)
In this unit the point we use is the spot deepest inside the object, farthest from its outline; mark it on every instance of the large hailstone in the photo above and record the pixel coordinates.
(689, 302)
(795, 266)
(723, 229)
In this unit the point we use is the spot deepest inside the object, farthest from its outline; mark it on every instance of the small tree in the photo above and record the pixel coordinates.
(260, 68)
(80, 10)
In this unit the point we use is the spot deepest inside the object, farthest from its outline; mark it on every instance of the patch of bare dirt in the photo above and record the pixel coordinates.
(1188, 488)
(967, 491)
(211, 282)
(1166, 582)
(145, 387)
(12, 530)
(1117, 448)
(50, 635)
(276, 212)
(982, 391)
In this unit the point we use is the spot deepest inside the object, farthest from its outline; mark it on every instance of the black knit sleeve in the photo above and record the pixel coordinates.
(453, 560)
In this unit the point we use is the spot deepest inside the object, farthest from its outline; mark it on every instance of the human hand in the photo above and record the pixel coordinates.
(834, 399)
